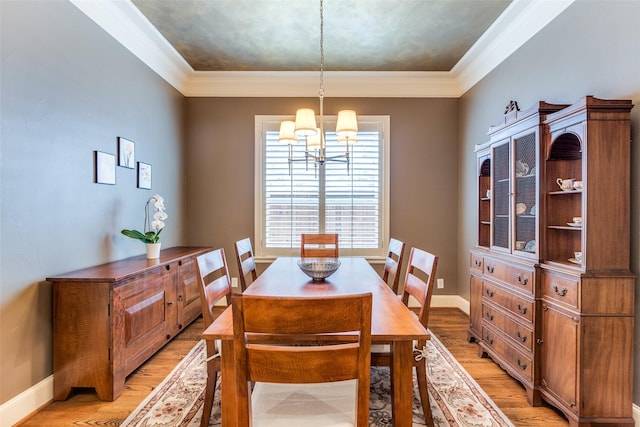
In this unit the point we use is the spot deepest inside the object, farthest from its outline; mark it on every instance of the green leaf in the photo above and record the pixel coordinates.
(134, 234)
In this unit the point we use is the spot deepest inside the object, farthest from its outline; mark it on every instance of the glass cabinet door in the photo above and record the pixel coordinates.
(525, 193)
(500, 192)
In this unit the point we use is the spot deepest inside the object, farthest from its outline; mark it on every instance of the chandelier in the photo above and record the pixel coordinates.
(314, 136)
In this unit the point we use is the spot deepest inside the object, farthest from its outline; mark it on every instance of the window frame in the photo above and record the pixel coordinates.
(264, 123)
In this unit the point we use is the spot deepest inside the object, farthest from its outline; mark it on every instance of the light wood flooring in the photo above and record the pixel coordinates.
(450, 326)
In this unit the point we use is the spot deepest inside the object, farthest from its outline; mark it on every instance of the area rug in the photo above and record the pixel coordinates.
(455, 398)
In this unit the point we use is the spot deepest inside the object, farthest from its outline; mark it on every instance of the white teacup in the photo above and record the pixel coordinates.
(565, 184)
(577, 256)
(577, 220)
(577, 185)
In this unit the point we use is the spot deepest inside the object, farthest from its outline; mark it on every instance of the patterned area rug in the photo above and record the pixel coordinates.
(456, 399)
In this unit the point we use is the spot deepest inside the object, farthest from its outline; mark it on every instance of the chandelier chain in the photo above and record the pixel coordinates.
(321, 92)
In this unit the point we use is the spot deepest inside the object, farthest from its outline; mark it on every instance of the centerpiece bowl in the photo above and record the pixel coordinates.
(319, 268)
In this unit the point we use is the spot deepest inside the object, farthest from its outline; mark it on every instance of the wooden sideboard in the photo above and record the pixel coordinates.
(109, 319)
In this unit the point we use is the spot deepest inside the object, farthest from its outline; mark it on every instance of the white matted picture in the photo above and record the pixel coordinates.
(105, 168)
(126, 153)
(144, 176)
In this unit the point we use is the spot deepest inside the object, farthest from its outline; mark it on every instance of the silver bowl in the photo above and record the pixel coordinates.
(319, 268)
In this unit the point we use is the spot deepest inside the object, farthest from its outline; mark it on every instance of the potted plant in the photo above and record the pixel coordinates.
(150, 235)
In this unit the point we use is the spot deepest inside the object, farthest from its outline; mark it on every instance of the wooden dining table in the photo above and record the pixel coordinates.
(391, 323)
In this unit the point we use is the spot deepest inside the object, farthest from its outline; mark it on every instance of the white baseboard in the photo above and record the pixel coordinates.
(26, 402)
(40, 394)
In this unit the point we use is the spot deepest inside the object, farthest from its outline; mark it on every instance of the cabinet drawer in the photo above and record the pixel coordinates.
(561, 289)
(522, 336)
(515, 304)
(517, 362)
(476, 263)
(494, 269)
(521, 278)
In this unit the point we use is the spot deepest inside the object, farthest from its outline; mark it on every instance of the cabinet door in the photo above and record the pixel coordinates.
(501, 191)
(189, 306)
(526, 192)
(559, 354)
(142, 308)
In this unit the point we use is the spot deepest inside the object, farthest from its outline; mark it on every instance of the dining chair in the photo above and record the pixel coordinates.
(418, 283)
(393, 264)
(308, 359)
(215, 284)
(319, 245)
(246, 262)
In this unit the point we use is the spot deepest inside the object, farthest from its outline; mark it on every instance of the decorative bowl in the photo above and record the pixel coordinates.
(319, 268)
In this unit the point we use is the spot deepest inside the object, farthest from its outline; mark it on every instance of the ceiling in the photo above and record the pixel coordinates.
(372, 48)
(359, 35)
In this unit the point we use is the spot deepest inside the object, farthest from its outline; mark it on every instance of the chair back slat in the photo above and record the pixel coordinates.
(319, 245)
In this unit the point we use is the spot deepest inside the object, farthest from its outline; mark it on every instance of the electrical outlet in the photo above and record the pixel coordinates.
(234, 282)
(440, 283)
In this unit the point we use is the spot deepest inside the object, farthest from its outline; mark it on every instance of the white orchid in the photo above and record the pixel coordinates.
(152, 235)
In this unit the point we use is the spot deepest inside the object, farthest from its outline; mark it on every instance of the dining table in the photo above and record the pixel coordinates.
(391, 323)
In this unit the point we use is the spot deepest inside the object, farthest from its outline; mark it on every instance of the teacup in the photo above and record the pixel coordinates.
(520, 245)
(488, 194)
(577, 220)
(577, 256)
(565, 184)
(577, 185)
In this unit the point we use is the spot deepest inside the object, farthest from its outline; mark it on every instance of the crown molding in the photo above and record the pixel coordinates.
(518, 23)
(336, 84)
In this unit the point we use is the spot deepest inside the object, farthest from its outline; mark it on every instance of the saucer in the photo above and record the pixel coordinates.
(574, 224)
(575, 261)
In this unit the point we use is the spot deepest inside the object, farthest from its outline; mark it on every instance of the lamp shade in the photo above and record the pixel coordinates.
(306, 122)
(313, 141)
(287, 132)
(347, 124)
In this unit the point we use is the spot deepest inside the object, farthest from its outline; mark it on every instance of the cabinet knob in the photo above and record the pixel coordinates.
(167, 267)
(169, 302)
(539, 341)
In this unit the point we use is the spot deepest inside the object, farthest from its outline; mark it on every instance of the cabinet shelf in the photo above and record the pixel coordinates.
(564, 227)
(556, 193)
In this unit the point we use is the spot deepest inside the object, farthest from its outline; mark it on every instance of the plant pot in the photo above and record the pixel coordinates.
(153, 250)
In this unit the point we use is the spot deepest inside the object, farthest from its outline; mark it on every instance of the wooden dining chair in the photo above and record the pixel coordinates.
(246, 262)
(215, 284)
(393, 264)
(298, 384)
(418, 283)
(319, 246)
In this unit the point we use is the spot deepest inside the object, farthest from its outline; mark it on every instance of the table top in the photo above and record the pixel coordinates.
(391, 319)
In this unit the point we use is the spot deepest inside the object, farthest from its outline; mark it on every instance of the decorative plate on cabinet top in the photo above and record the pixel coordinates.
(521, 208)
(530, 246)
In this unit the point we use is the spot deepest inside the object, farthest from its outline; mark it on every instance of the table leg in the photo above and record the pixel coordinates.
(229, 405)
(402, 384)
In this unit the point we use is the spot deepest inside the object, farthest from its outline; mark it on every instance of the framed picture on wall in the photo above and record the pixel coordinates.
(105, 168)
(144, 176)
(126, 153)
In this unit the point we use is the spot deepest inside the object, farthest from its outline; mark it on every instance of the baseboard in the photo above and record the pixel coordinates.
(40, 394)
(27, 402)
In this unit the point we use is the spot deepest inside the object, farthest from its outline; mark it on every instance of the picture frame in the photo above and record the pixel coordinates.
(126, 153)
(105, 168)
(144, 176)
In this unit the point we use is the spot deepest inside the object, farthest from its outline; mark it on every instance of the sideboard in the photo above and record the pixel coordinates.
(109, 319)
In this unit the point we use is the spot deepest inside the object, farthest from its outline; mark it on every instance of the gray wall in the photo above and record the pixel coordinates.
(68, 88)
(591, 49)
(424, 176)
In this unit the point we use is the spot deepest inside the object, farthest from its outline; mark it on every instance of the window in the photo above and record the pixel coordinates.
(302, 197)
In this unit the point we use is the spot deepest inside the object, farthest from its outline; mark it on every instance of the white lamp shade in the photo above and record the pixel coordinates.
(305, 122)
(347, 124)
(287, 132)
(313, 141)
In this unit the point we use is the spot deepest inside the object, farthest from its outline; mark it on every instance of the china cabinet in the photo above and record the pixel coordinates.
(551, 293)
(109, 319)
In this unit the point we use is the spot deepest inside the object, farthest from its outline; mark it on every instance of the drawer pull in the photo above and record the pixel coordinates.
(521, 309)
(562, 292)
(169, 302)
(489, 316)
(522, 281)
(522, 338)
(478, 263)
(490, 269)
(522, 366)
(490, 293)
(539, 341)
(489, 340)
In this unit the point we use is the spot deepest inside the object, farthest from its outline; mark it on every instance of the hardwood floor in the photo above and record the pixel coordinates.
(83, 408)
